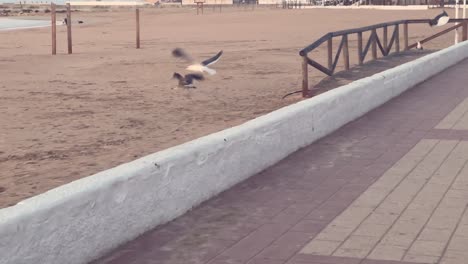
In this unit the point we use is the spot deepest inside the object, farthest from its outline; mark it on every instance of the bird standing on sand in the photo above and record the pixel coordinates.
(440, 20)
(187, 80)
(197, 67)
(65, 21)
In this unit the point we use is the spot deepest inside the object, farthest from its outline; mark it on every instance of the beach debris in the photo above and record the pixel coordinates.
(187, 80)
(196, 66)
(440, 20)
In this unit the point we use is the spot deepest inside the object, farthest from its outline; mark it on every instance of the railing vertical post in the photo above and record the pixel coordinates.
(305, 77)
(54, 28)
(359, 43)
(397, 38)
(69, 29)
(385, 38)
(374, 44)
(137, 17)
(330, 53)
(345, 52)
(405, 35)
(465, 31)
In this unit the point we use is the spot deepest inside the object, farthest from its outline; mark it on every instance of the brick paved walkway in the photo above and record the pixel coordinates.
(390, 187)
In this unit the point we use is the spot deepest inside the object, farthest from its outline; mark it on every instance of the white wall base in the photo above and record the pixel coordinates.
(83, 220)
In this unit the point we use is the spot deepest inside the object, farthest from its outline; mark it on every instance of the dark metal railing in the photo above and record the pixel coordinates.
(374, 43)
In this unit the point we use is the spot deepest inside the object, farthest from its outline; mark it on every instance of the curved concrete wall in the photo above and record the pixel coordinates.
(80, 221)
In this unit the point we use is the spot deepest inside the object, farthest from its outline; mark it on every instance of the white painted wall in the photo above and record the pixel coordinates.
(81, 221)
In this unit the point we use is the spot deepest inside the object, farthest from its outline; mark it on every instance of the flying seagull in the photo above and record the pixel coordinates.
(419, 46)
(440, 20)
(195, 66)
(187, 80)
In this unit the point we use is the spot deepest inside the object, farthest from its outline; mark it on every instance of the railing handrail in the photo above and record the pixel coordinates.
(329, 35)
(373, 44)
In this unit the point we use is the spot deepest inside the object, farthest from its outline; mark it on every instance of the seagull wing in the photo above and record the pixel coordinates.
(180, 53)
(440, 19)
(212, 60)
(193, 76)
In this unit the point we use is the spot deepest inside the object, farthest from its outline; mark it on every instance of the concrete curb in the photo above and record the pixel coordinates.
(83, 220)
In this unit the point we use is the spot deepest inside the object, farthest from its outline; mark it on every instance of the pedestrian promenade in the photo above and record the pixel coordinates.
(388, 188)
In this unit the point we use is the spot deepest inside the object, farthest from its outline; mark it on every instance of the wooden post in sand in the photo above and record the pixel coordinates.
(199, 5)
(53, 22)
(69, 32)
(137, 13)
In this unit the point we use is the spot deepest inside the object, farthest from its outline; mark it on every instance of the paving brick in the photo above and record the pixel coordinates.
(454, 117)
(335, 233)
(430, 248)
(317, 259)
(370, 229)
(321, 247)
(431, 234)
(307, 225)
(421, 258)
(458, 243)
(351, 252)
(387, 252)
(258, 260)
(286, 246)
(255, 242)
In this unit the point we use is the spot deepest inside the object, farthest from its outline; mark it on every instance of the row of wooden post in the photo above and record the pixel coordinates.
(69, 28)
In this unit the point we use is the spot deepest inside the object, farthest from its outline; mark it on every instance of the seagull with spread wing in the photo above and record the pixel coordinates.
(195, 66)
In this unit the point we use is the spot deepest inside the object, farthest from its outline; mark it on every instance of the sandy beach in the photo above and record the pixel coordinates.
(66, 117)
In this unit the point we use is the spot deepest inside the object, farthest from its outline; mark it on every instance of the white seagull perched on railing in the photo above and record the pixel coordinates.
(419, 46)
(195, 66)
